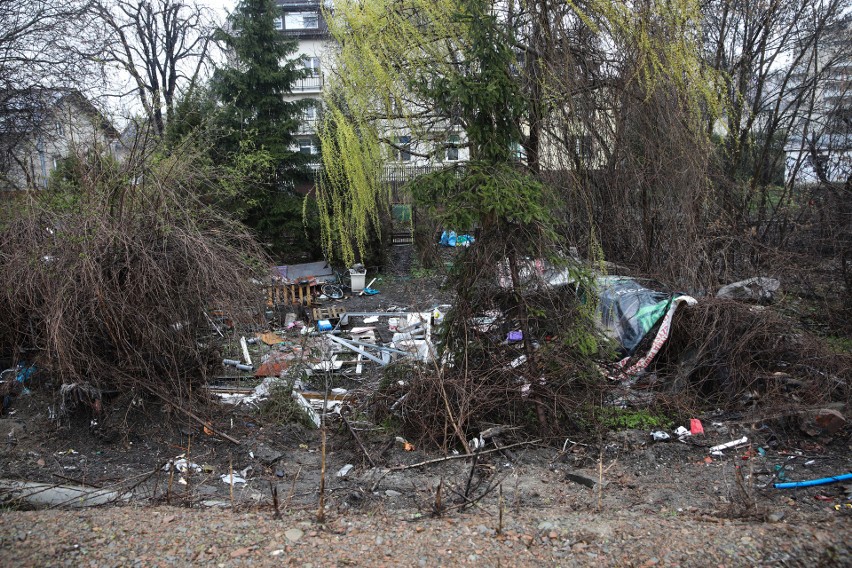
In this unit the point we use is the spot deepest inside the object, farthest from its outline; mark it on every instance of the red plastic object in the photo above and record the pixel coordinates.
(695, 426)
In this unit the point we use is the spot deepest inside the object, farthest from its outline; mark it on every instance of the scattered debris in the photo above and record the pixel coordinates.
(695, 427)
(271, 338)
(367, 290)
(717, 450)
(181, 465)
(826, 421)
(759, 289)
(231, 479)
(451, 239)
(357, 277)
(682, 433)
(236, 477)
(309, 410)
(246, 355)
(236, 364)
(356, 349)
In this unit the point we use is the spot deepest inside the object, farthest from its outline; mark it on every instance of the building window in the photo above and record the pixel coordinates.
(307, 147)
(312, 64)
(278, 22)
(402, 152)
(453, 149)
(310, 113)
(301, 21)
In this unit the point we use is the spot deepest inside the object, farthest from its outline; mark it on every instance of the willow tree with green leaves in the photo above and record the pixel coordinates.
(419, 69)
(631, 76)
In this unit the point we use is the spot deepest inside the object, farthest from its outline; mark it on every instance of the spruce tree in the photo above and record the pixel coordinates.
(256, 119)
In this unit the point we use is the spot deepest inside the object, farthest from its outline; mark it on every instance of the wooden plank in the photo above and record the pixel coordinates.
(328, 313)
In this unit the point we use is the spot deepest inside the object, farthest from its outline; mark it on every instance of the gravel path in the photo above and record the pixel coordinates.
(166, 536)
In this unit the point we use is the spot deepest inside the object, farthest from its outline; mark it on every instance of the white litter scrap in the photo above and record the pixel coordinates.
(682, 433)
(181, 465)
(236, 476)
(439, 313)
(361, 330)
(327, 365)
(261, 393)
(244, 345)
(344, 471)
(421, 349)
(414, 335)
(306, 406)
(232, 479)
(717, 450)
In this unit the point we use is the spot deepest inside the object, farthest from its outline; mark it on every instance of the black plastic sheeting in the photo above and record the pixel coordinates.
(627, 311)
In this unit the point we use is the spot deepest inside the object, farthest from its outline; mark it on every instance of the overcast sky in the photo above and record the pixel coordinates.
(221, 6)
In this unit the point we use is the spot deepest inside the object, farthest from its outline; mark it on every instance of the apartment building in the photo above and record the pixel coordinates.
(303, 20)
(821, 142)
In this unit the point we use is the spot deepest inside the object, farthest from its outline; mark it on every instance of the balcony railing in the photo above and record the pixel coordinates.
(310, 3)
(312, 83)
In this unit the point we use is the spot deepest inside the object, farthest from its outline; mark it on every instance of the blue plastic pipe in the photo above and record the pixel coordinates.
(812, 482)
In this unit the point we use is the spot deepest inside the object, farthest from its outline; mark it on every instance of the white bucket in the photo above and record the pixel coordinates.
(358, 279)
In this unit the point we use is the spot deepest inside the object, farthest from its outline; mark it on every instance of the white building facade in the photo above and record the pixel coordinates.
(303, 20)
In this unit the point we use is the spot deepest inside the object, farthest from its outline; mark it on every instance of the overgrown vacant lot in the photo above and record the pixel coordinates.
(608, 495)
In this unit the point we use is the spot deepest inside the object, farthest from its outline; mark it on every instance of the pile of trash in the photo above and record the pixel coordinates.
(328, 344)
(320, 350)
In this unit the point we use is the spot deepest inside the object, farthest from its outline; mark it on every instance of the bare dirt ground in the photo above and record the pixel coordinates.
(621, 500)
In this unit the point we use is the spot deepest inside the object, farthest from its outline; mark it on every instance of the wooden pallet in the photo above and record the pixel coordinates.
(280, 293)
(330, 313)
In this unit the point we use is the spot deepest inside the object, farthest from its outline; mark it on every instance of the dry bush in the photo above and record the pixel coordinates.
(727, 353)
(642, 192)
(112, 283)
(543, 384)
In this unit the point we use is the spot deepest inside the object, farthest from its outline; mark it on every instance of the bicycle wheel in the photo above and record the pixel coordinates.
(333, 291)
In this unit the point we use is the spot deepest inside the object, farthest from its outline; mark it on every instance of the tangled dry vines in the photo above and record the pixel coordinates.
(113, 285)
(728, 353)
